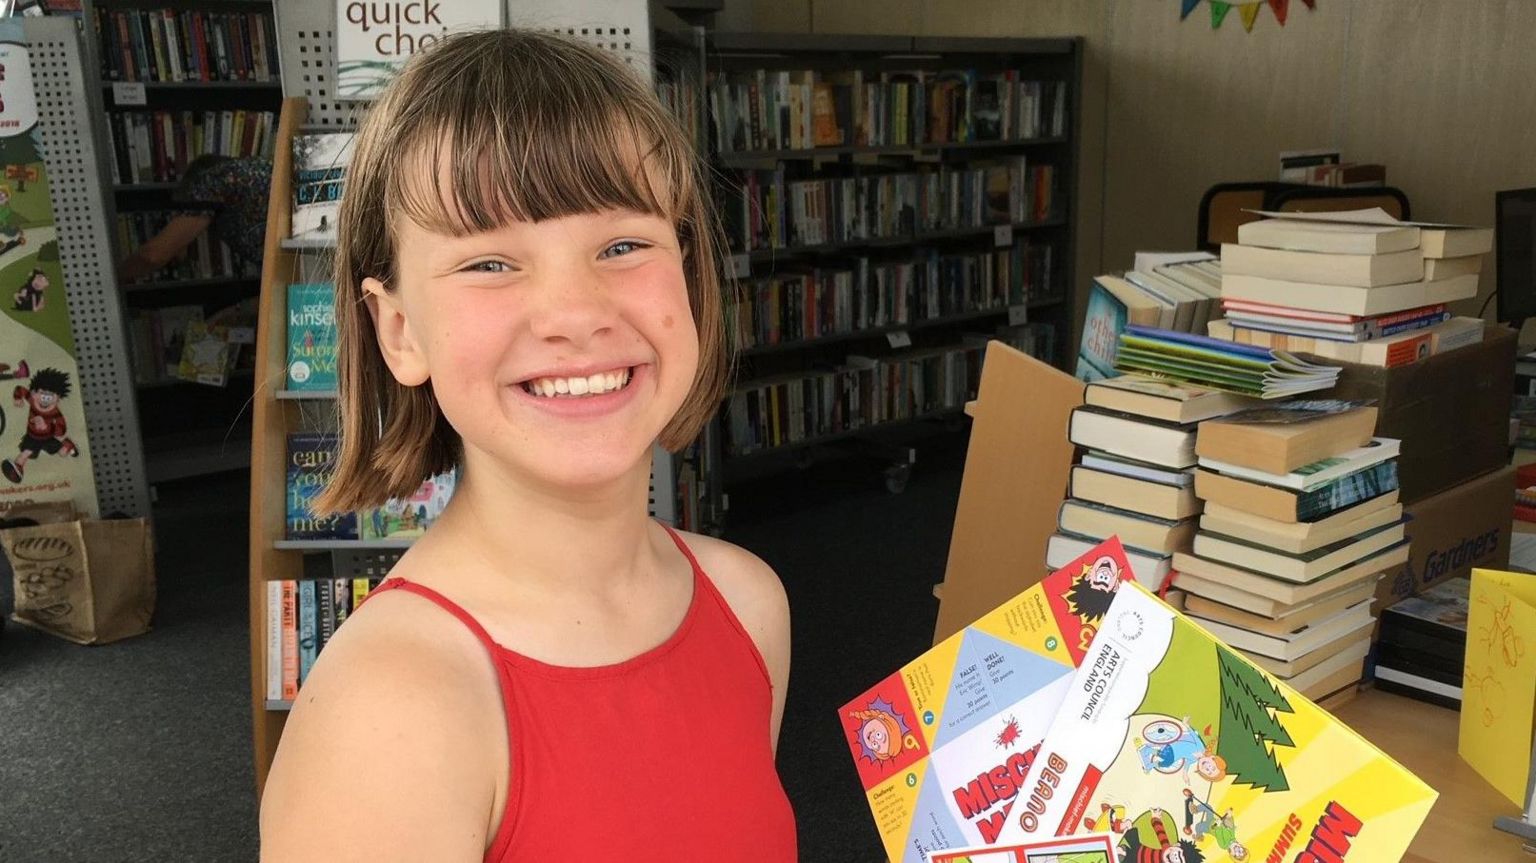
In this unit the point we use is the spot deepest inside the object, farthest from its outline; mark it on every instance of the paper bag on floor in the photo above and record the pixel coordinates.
(88, 581)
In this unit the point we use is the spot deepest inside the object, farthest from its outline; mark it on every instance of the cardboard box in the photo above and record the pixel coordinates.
(1016, 471)
(1464, 527)
(1451, 411)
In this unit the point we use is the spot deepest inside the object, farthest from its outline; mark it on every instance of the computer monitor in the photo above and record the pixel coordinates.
(1515, 254)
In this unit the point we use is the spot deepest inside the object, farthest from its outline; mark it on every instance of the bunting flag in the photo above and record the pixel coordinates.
(1219, 12)
(1250, 12)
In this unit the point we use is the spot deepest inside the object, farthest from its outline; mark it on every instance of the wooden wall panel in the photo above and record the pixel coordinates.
(1442, 93)
(1190, 106)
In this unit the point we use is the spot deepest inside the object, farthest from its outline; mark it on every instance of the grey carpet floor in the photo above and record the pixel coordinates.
(140, 750)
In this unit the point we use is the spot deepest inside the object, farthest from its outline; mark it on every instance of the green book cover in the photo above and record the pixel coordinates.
(311, 337)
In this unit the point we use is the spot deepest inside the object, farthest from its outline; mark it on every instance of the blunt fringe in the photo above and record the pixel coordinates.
(480, 130)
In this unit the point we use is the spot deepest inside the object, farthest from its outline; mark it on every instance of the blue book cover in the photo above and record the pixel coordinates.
(307, 631)
(1103, 323)
(311, 463)
(311, 337)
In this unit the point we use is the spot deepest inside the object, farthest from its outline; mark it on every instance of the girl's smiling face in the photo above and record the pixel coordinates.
(560, 348)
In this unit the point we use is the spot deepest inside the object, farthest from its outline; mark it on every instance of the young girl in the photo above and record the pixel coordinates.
(527, 287)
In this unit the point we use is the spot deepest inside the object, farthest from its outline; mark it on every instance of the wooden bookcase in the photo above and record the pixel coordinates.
(272, 419)
(753, 61)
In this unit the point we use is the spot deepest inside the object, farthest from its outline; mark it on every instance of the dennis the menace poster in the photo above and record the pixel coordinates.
(1190, 754)
(942, 746)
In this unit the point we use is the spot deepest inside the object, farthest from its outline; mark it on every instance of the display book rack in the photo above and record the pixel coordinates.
(649, 36)
(178, 78)
(892, 204)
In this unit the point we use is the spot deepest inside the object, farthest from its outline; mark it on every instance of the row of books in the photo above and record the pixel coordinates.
(312, 462)
(768, 210)
(872, 294)
(1182, 296)
(155, 146)
(205, 258)
(302, 615)
(182, 45)
(1348, 285)
(775, 109)
(864, 392)
(181, 343)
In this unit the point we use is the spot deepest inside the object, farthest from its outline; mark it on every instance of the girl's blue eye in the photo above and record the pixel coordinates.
(622, 247)
(488, 267)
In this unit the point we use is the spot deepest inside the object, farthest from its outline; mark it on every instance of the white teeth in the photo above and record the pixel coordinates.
(597, 384)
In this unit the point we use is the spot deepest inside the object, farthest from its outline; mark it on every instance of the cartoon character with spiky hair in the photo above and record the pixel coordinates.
(1090, 594)
(46, 428)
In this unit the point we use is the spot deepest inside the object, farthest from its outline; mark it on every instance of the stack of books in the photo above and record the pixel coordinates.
(1300, 518)
(1178, 291)
(1354, 287)
(1136, 480)
(1423, 644)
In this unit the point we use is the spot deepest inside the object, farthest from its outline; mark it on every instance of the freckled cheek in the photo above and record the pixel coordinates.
(471, 340)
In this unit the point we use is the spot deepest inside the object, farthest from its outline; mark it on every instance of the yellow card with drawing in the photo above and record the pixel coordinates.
(1499, 680)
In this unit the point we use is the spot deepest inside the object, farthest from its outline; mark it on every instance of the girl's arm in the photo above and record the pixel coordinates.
(388, 754)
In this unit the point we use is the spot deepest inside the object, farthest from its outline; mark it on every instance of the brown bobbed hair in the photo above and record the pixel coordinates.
(479, 130)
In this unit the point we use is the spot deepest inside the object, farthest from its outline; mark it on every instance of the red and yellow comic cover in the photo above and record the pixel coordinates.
(943, 745)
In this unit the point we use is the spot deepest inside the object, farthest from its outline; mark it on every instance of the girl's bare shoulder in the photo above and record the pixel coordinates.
(395, 725)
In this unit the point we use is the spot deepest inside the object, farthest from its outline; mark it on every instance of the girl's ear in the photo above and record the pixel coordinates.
(397, 342)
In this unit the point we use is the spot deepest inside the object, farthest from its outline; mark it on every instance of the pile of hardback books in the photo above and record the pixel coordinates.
(1423, 644)
(1357, 287)
(1300, 518)
(1136, 480)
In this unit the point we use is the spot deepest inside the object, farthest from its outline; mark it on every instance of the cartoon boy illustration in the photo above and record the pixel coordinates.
(1111, 819)
(11, 236)
(1139, 846)
(1091, 594)
(29, 297)
(880, 733)
(46, 428)
(1170, 746)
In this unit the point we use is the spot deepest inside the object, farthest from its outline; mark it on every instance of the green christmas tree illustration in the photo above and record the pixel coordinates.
(1249, 727)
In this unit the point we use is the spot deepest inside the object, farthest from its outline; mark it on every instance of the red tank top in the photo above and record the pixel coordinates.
(665, 756)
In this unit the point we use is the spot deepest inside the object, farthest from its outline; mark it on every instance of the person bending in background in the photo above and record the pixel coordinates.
(224, 193)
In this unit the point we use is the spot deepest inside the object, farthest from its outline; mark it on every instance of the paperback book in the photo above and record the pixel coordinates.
(319, 177)
(407, 518)
(1208, 755)
(942, 745)
(311, 462)
(312, 337)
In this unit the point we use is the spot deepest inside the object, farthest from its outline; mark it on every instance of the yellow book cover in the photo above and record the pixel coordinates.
(942, 745)
(1498, 688)
(1198, 756)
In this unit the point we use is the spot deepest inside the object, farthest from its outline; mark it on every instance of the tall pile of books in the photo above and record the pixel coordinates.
(1300, 519)
(1171, 291)
(1423, 644)
(1136, 480)
(1356, 287)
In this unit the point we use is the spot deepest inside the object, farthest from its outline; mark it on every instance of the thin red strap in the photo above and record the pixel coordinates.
(444, 602)
(681, 546)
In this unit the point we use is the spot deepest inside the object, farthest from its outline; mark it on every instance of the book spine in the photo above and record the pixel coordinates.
(325, 614)
(308, 628)
(290, 641)
(1383, 330)
(274, 640)
(343, 598)
(1347, 491)
(359, 592)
